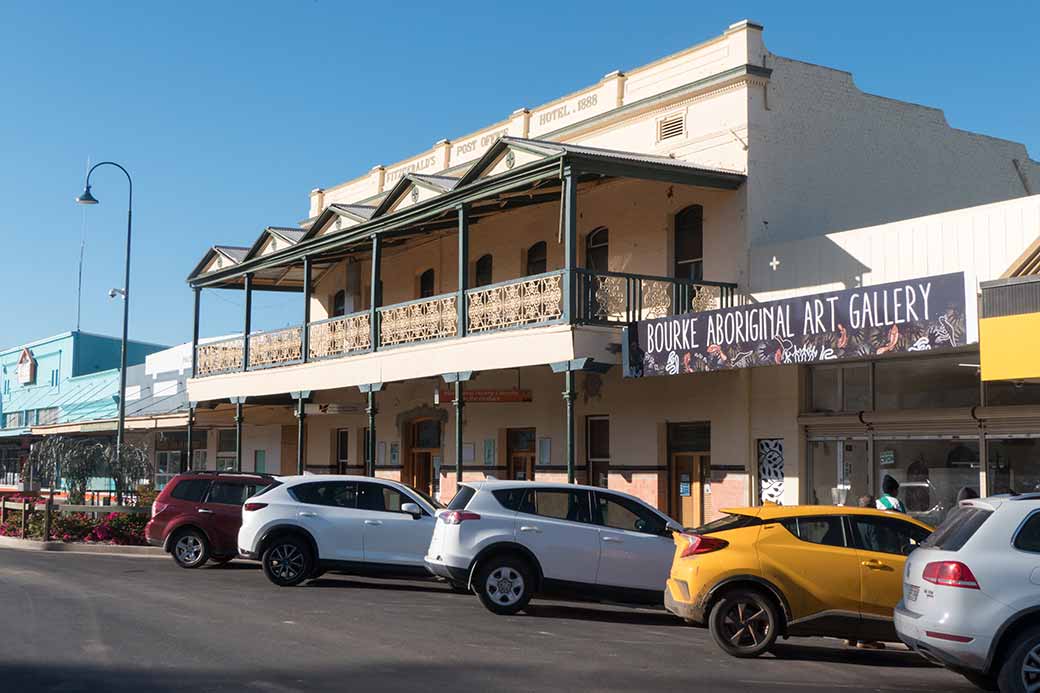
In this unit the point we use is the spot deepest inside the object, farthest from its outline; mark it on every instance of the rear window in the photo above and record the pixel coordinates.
(957, 528)
(728, 522)
(190, 490)
(264, 489)
(462, 498)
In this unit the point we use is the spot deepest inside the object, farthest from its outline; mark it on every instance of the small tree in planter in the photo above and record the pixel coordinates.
(127, 467)
(76, 459)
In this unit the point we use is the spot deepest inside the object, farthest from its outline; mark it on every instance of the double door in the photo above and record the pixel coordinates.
(520, 454)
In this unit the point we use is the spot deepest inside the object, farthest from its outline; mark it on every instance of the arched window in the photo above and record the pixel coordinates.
(483, 271)
(689, 243)
(426, 284)
(339, 304)
(536, 258)
(596, 249)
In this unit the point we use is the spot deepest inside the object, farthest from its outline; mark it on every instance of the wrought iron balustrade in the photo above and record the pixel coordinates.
(423, 320)
(523, 302)
(275, 347)
(340, 336)
(619, 297)
(223, 356)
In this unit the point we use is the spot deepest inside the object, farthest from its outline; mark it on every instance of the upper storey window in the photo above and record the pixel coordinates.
(426, 284)
(596, 249)
(537, 261)
(689, 244)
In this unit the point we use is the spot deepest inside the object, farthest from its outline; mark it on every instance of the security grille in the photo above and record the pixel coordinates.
(1010, 297)
(670, 127)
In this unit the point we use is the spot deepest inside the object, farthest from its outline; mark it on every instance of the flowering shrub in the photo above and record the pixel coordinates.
(113, 528)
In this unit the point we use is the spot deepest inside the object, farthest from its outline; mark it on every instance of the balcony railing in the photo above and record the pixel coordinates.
(602, 298)
(617, 297)
(346, 334)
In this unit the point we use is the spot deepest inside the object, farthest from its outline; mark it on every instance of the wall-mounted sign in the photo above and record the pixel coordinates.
(914, 315)
(26, 368)
(485, 396)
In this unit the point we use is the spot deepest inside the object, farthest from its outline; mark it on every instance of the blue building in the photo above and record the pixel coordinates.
(70, 377)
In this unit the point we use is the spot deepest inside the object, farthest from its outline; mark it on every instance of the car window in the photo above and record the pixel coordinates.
(1028, 537)
(335, 494)
(227, 493)
(372, 496)
(560, 504)
(510, 498)
(624, 513)
(191, 490)
(821, 529)
(887, 534)
(263, 488)
(461, 498)
(727, 522)
(957, 528)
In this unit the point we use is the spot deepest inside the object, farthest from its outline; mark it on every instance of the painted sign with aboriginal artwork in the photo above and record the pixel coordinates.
(913, 315)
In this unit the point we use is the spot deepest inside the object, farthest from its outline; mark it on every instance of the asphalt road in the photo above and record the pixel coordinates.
(95, 623)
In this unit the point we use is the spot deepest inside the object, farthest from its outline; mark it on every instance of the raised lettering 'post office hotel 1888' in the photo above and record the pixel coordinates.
(721, 278)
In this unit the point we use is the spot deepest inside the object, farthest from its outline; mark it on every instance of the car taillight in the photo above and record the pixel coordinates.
(699, 543)
(457, 517)
(157, 507)
(254, 506)
(950, 574)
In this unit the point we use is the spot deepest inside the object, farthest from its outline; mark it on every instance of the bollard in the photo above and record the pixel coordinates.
(25, 517)
(3, 509)
(47, 521)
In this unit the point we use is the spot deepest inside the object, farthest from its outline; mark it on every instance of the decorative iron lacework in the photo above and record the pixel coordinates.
(523, 302)
(707, 298)
(653, 298)
(340, 336)
(273, 348)
(219, 357)
(418, 321)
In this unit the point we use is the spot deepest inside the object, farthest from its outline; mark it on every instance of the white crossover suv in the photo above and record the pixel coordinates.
(509, 540)
(971, 593)
(355, 524)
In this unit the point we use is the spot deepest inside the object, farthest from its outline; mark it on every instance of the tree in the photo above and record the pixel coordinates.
(127, 467)
(75, 459)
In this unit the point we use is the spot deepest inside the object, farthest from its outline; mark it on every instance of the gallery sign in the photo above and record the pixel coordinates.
(914, 315)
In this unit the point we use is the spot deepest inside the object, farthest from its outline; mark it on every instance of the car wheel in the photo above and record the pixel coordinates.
(504, 584)
(983, 682)
(287, 562)
(1021, 670)
(190, 548)
(744, 623)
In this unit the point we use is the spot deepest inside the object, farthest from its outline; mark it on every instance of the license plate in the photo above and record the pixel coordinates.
(911, 592)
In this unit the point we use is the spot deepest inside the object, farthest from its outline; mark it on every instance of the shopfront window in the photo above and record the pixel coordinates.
(1014, 465)
(931, 473)
(1004, 393)
(917, 383)
(841, 388)
(840, 472)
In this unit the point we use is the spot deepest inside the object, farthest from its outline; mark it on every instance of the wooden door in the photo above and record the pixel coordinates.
(688, 469)
(421, 472)
(520, 454)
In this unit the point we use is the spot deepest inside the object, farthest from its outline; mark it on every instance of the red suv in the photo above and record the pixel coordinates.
(197, 515)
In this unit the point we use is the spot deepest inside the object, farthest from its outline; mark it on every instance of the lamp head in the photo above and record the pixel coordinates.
(86, 198)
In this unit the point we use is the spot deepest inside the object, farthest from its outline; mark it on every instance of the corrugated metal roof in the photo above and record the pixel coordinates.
(617, 154)
(234, 252)
(443, 182)
(289, 233)
(363, 211)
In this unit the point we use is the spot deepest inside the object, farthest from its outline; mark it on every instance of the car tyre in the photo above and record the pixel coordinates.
(504, 583)
(744, 623)
(1025, 655)
(189, 548)
(288, 561)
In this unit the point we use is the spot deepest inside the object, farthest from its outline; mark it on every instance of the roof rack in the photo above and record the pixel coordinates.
(216, 472)
(1029, 495)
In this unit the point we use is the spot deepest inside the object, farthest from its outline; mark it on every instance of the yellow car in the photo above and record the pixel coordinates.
(759, 573)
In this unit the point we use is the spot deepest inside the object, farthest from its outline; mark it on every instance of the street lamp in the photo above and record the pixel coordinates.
(87, 199)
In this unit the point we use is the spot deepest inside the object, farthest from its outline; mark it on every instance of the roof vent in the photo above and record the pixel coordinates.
(670, 127)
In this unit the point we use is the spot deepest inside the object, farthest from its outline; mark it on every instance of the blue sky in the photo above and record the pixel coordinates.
(227, 114)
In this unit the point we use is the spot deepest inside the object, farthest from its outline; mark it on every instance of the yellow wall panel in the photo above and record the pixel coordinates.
(1010, 347)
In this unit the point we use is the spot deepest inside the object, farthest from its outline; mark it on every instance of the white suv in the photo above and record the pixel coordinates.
(971, 593)
(356, 524)
(508, 540)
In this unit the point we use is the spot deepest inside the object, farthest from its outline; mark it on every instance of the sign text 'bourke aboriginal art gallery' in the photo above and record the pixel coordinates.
(730, 208)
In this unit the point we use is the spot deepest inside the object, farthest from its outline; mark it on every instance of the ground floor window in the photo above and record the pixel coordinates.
(931, 473)
(1013, 464)
(839, 470)
(167, 466)
(227, 445)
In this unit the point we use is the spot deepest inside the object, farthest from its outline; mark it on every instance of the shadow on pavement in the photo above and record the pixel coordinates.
(850, 655)
(350, 582)
(582, 613)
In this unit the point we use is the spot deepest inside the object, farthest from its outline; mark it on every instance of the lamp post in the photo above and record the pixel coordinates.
(87, 199)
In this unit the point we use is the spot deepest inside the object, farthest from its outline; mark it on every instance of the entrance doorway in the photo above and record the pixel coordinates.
(520, 453)
(688, 473)
(422, 468)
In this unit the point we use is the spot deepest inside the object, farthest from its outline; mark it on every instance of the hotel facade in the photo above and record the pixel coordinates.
(519, 302)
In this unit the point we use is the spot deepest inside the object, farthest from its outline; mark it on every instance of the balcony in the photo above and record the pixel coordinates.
(601, 298)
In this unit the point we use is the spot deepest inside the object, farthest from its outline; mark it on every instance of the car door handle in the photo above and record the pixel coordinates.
(874, 564)
(374, 523)
(530, 528)
(614, 539)
(306, 514)
(205, 512)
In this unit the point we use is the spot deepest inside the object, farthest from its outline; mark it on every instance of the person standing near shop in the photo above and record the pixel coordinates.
(889, 499)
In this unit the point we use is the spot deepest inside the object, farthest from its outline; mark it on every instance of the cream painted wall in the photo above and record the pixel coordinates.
(267, 438)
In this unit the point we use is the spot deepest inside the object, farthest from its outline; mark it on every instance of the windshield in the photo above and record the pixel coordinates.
(435, 504)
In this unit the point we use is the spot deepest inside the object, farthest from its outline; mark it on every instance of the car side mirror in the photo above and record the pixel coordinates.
(412, 509)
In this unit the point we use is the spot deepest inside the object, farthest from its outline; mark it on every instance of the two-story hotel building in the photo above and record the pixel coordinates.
(462, 312)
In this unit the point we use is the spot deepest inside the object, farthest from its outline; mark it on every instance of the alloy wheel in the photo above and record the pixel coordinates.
(745, 624)
(505, 586)
(1031, 670)
(188, 549)
(286, 561)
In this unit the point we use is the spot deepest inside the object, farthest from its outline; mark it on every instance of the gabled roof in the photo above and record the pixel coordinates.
(232, 254)
(431, 185)
(289, 236)
(359, 212)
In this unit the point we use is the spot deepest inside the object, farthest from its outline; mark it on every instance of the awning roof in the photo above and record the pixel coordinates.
(513, 172)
